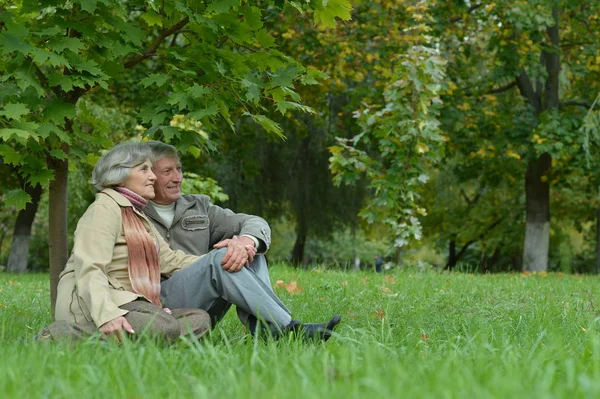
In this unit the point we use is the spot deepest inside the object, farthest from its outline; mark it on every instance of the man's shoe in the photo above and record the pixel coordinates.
(319, 331)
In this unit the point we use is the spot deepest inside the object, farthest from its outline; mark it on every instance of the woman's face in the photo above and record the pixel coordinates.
(141, 180)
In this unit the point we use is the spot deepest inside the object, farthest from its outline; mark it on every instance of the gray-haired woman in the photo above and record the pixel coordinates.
(111, 283)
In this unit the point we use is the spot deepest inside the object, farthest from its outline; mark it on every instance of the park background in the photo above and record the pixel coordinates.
(458, 139)
(441, 133)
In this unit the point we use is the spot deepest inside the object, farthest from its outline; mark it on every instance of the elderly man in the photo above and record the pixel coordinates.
(234, 270)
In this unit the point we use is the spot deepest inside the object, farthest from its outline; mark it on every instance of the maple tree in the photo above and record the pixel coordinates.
(200, 59)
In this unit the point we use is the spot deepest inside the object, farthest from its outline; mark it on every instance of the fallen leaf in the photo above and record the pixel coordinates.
(343, 283)
(390, 279)
(384, 288)
(280, 284)
(391, 295)
(365, 279)
(293, 288)
(424, 337)
(379, 313)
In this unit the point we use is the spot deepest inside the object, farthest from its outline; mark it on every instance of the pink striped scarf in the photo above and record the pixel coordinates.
(144, 267)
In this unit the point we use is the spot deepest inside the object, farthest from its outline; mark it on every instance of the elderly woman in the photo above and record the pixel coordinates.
(111, 283)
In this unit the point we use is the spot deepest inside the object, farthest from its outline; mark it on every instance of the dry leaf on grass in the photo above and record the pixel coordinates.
(293, 288)
(390, 279)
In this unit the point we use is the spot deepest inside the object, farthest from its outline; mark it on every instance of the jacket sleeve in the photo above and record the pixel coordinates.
(93, 249)
(224, 223)
(171, 260)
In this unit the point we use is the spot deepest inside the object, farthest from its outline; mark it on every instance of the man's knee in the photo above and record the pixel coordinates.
(217, 255)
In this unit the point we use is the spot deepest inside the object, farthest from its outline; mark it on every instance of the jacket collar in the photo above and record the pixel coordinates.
(118, 198)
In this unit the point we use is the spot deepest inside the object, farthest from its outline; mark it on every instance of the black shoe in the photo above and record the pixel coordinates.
(318, 331)
(264, 329)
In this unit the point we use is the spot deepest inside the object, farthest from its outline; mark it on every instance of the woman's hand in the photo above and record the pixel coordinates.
(115, 328)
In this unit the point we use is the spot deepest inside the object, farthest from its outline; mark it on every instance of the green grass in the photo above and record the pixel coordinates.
(423, 335)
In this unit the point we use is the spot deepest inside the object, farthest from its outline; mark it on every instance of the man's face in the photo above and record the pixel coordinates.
(167, 187)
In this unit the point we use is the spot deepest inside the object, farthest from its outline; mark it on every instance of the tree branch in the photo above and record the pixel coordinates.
(152, 49)
(42, 78)
(526, 89)
(502, 89)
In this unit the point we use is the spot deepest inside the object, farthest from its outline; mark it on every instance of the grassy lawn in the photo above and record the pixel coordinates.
(404, 334)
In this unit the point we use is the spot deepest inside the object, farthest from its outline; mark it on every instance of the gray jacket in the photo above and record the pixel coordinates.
(198, 225)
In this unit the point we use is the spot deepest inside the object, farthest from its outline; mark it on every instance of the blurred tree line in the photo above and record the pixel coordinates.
(441, 131)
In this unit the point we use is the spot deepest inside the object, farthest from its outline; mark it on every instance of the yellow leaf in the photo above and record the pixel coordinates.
(422, 148)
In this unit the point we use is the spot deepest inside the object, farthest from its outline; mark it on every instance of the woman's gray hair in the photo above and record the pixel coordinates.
(161, 150)
(115, 166)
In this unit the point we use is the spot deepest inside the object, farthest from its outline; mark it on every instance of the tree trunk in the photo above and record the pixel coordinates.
(537, 205)
(537, 192)
(598, 240)
(452, 259)
(301, 234)
(19, 250)
(57, 224)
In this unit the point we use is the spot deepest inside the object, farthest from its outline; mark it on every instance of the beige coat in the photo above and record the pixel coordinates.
(96, 281)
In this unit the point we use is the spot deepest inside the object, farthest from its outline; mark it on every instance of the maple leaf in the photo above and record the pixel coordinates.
(15, 111)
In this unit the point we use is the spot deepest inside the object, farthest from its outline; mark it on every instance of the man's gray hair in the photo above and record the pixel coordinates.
(161, 150)
(115, 166)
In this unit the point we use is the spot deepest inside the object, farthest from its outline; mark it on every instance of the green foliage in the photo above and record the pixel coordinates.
(338, 250)
(204, 60)
(401, 140)
(194, 184)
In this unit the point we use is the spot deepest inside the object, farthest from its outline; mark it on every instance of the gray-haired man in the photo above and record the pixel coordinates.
(233, 269)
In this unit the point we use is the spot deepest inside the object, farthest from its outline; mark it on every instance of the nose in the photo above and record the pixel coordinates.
(178, 177)
(152, 176)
